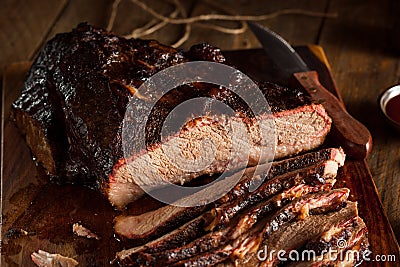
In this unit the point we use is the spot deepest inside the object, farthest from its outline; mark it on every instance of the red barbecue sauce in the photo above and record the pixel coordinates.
(393, 108)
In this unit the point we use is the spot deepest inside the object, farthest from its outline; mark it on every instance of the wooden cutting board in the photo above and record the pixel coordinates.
(39, 215)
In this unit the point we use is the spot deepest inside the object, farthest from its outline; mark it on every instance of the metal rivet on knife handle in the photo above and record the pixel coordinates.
(313, 89)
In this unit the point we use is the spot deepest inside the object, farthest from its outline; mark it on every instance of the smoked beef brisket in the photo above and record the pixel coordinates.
(72, 110)
(74, 99)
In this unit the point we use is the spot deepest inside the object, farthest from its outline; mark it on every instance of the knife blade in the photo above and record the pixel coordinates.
(348, 132)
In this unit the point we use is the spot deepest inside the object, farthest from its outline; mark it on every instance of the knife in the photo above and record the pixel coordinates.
(349, 133)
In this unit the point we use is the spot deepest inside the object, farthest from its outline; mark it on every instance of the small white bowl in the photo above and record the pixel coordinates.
(385, 98)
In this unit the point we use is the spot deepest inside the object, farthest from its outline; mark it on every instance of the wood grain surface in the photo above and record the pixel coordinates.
(362, 44)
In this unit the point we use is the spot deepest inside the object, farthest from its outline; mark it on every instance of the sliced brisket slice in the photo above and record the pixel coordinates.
(316, 202)
(347, 230)
(154, 168)
(178, 237)
(155, 223)
(322, 164)
(307, 159)
(290, 236)
(245, 246)
(332, 245)
(136, 256)
(291, 165)
(251, 217)
(320, 174)
(295, 235)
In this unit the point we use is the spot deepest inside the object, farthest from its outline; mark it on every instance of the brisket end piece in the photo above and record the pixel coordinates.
(94, 76)
(73, 100)
(39, 121)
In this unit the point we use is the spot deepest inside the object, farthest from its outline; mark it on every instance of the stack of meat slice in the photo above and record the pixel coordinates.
(295, 208)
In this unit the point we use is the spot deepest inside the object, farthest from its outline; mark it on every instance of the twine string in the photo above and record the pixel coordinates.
(152, 26)
(159, 20)
(114, 10)
(188, 26)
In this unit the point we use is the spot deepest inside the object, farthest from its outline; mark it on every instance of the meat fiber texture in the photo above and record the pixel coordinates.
(234, 239)
(74, 99)
(311, 169)
(308, 214)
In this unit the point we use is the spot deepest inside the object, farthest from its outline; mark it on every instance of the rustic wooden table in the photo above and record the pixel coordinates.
(362, 44)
